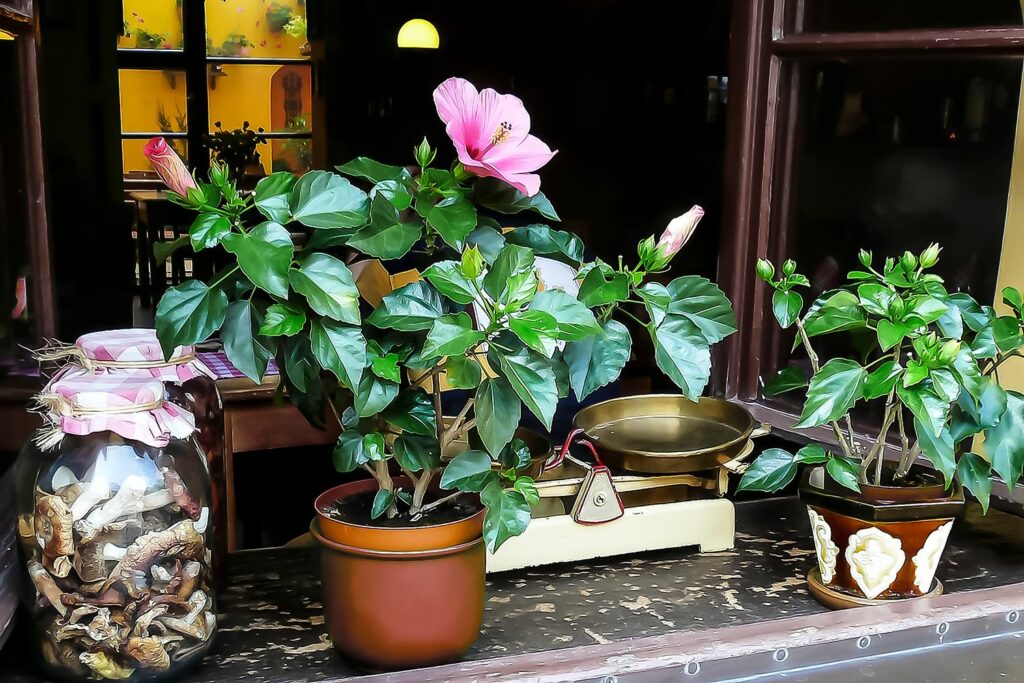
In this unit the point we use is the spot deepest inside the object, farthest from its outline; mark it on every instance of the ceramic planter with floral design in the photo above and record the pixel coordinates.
(884, 543)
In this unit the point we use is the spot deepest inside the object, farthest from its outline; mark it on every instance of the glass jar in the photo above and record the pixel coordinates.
(113, 503)
(189, 383)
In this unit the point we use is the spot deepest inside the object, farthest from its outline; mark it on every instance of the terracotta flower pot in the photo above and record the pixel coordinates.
(400, 597)
(881, 544)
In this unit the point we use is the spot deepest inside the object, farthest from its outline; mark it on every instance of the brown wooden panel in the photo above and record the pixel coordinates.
(925, 42)
(262, 426)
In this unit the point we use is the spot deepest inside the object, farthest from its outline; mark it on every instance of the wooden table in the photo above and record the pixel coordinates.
(669, 615)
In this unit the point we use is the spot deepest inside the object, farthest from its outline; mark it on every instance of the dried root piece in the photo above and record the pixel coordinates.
(149, 653)
(46, 586)
(58, 566)
(179, 492)
(104, 665)
(111, 597)
(96, 491)
(53, 525)
(91, 560)
(195, 624)
(146, 619)
(180, 540)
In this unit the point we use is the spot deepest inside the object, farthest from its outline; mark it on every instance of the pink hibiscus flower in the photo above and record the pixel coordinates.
(491, 134)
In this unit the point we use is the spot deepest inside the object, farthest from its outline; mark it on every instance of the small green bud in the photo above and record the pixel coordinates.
(930, 256)
(789, 267)
(949, 351)
(218, 173)
(472, 263)
(765, 269)
(865, 257)
(195, 197)
(909, 261)
(424, 154)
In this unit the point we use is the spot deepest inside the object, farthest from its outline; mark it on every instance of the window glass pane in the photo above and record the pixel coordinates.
(256, 28)
(896, 154)
(275, 98)
(152, 100)
(885, 15)
(291, 154)
(133, 161)
(151, 25)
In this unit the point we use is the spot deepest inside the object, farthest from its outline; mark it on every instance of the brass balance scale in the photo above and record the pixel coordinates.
(657, 469)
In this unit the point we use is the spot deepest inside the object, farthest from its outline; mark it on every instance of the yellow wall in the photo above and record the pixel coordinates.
(242, 93)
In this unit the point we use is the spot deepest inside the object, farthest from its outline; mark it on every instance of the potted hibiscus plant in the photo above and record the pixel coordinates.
(932, 363)
(511, 317)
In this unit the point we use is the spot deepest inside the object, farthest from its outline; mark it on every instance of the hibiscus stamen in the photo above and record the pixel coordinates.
(501, 134)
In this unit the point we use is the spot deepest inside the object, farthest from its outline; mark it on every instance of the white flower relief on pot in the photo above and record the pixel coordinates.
(825, 549)
(875, 558)
(927, 558)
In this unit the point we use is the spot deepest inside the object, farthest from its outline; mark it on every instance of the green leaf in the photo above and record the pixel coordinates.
(415, 453)
(264, 255)
(373, 444)
(656, 299)
(875, 298)
(969, 373)
(324, 200)
(1012, 297)
(600, 287)
(561, 245)
(516, 455)
(1006, 333)
(834, 312)
(975, 316)
(452, 335)
(832, 392)
(772, 471)
(703, 303)
(386, 237)
(512, 278)
(844, 471)
(454, 218)
(984, 344)
(272, 195)
(951, 325)
(282, 320)
(382, 500)
(448, 278)
(499, 196)
(189, 314)
(937, 448)
(789, 379)
(597, 360)
(374, 171)
(508, 514)
(574, 320)
(340, 349)
(300, 365)
(528, 489)
(945, 384)
(349, 452)
(882, 379)
(395, 191)
(682, 353)
(536, 329)
(412, 412)
(531, 377)
(786, 306)
(328, 286)
(916, 372)
(386, 367)
(812, 454)
(487, 239)
(208, 229)
(498, 411)
(164, 250)
(975, 473)
(1005, 442)
(246, 350)
(410, 308)
(462, 372)
(923, 310)
(970, 418)
(373, 394)
(468, 471)
(926, 406)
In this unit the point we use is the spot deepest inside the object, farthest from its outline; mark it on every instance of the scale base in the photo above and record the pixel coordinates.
(708, 523)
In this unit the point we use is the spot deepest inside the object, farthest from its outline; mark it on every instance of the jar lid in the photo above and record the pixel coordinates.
(131, 406)
(131, 350)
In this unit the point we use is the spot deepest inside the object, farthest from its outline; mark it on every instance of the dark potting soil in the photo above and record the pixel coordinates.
(356, 510)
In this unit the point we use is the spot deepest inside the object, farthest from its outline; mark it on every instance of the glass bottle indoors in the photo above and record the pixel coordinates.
(113, 504)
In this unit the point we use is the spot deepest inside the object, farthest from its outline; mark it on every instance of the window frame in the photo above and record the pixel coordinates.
(762, 139)
(194, 62)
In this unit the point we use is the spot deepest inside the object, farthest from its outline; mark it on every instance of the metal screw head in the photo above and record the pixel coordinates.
(600, 499)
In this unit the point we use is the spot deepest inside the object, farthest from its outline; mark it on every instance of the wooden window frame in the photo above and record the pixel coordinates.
(761, 143)
(194, 62)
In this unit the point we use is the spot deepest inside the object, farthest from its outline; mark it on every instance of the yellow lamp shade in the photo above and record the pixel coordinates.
(418, 33)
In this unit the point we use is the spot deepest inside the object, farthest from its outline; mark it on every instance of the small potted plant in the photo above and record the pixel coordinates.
(512, 318)
(932, 362)
(237, 151)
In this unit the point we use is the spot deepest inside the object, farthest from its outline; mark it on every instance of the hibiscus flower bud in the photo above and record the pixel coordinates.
(765, 269)
(930, 256)
(424, 154)
(678, 232)
(169, 166)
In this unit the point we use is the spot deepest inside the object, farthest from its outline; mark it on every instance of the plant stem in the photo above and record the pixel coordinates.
(438, 420)
(904, 445)
(876, 453)
(1000, 360)
(231, 271)
(455, 428)
(437, 503)
(638, 320)
(419, 492)
(429, 374)
(813, 357)
(386, 483)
